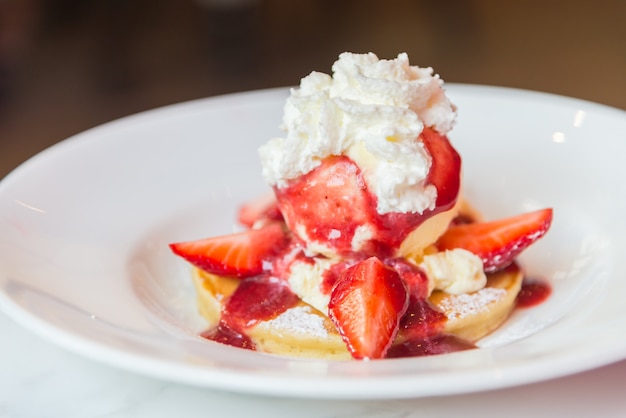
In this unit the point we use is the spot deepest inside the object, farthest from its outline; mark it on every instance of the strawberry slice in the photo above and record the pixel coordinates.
(498, 242)
(413, 277)
(444, 169)
(328, 204)
(421, 320)
(263, 208)
(236, 255)
(366, 305)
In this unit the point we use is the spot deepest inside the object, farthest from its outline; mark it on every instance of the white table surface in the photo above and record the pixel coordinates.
(39, 379)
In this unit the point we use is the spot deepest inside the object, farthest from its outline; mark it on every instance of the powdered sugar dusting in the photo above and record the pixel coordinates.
(466, 304)
(301, 320)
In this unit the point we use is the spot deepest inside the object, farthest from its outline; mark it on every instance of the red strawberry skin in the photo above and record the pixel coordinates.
(264, 208)
(236, 255)
(331, 201)
(445, 168)
(421, 320)
(498, 242)
(366, 305)
(413, 277)
(257, 299)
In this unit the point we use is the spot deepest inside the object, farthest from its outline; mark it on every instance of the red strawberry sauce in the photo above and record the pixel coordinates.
(259, 298)
(533, 293)
(225, 335)
(438, 344)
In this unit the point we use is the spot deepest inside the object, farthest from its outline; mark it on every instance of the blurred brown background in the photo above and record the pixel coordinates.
(67, 65)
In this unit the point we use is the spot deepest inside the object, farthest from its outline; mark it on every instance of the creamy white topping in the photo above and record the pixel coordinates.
(372, 111)
(305, 279)
(454, 271)
(313, 247)
(362, 234)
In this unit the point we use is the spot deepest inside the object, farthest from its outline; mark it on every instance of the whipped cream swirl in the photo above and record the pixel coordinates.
(371, 110)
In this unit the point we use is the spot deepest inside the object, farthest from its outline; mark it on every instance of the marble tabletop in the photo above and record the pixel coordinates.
(39, 379)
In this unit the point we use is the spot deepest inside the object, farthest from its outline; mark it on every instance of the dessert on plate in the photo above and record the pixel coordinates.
(366, 248)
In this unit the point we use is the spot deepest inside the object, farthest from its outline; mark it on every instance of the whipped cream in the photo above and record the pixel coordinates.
(371, 110)
(305, 280)
(454, 271)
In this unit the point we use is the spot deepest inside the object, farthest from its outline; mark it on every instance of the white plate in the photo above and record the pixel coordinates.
(84, 228)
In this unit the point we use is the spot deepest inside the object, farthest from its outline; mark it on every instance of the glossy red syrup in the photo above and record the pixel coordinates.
(225, 335)
(413, 277)
(420, 333)
(421, 321)
(439, 344)
(333, 274)
(533, 293)
(259, 298)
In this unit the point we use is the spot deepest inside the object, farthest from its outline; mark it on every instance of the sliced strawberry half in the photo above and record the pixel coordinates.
(445, 168)
(236, 255)
(414, 278)
(444, 174)
(328, 204)
(498, 242)
(263, 208)
(366, 305)
(422, 319)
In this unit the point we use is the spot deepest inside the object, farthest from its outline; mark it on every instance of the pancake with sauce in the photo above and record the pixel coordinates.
(303, 331)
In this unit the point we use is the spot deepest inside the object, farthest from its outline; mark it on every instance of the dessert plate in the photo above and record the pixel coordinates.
(84, 228)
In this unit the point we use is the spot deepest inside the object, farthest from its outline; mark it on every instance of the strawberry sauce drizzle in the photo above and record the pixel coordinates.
(330, 276)
(439, 344)
(533, 293)
(256, 299)
(226, 335)
(421, 334)
(259, 298)
(421, 321)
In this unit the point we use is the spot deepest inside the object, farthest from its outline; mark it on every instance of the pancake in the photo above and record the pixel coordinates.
(303, 331)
